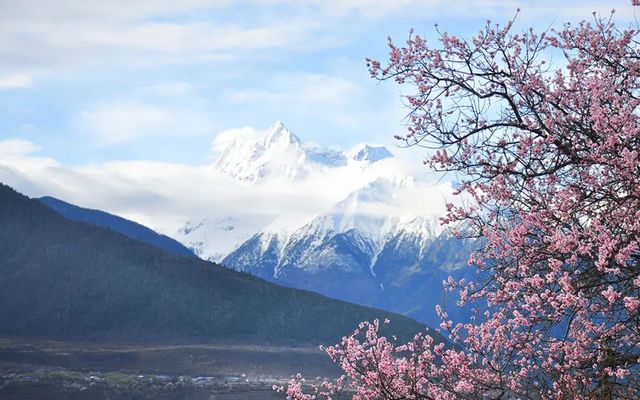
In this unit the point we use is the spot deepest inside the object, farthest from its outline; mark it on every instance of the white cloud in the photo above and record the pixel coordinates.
(46, 35)
(226, 137)
(15, 81)
(22, 168)
(21, 154)
(301, 89)
(16, 147)
(164, 195)
(70, 35)
(495, 9)
(127, 121)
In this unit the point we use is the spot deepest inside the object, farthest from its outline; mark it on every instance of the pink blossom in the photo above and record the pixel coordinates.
(611, 295)
(632, 303)
(548, 159)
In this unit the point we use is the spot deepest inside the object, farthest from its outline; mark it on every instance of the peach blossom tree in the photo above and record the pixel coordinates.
(548, 155)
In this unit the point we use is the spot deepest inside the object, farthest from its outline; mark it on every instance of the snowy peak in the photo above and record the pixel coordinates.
(278, 136)
(372, 153)
(248, 155)
(364, 212)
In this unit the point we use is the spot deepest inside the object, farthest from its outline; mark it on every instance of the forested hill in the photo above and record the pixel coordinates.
(115, 223)
(63, 279)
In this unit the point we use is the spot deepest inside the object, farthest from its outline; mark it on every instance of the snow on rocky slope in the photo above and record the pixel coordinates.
(372, 246)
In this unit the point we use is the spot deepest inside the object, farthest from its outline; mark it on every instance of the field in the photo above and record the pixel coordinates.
(31, 370)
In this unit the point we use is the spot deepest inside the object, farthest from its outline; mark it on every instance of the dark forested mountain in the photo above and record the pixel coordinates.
(70, 280)
(121, 225)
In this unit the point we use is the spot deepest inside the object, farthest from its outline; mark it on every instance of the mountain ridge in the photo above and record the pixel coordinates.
(115, 223)
(279, 153)
(69, 280)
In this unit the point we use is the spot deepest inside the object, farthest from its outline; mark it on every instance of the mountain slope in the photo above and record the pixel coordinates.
(213, 238)
(68, 280)
(404, 276)
(412, 273)
(395, 263)
(118, 224)
(338, 254)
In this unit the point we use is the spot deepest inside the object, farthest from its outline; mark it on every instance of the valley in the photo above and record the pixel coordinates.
(98, 306)
(319, 200)
(88, 312)
(35, 369)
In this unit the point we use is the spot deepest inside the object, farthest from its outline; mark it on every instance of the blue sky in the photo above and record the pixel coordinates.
(86, 83)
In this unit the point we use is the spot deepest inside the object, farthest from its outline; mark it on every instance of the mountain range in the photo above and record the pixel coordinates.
(372, 246)
(360, 250)
(279, 155)
(403, 272)
(278, 158)
(63, 279)
(367, 248)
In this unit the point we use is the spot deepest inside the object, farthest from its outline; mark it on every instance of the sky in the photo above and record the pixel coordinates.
(90, 87)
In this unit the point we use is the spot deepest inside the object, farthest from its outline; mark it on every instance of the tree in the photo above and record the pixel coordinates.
(550, 165)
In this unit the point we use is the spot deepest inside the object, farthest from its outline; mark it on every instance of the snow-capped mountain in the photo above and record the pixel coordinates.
(214, 238)
(279, 153)
(361, 217)
(255, 159)
(399, 267)
(376, 244)
(338, 253)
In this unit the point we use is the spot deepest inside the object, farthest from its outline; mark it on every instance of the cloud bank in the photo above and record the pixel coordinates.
(165, 195)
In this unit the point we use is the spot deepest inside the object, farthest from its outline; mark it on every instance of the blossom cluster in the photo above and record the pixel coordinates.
(550, 166)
